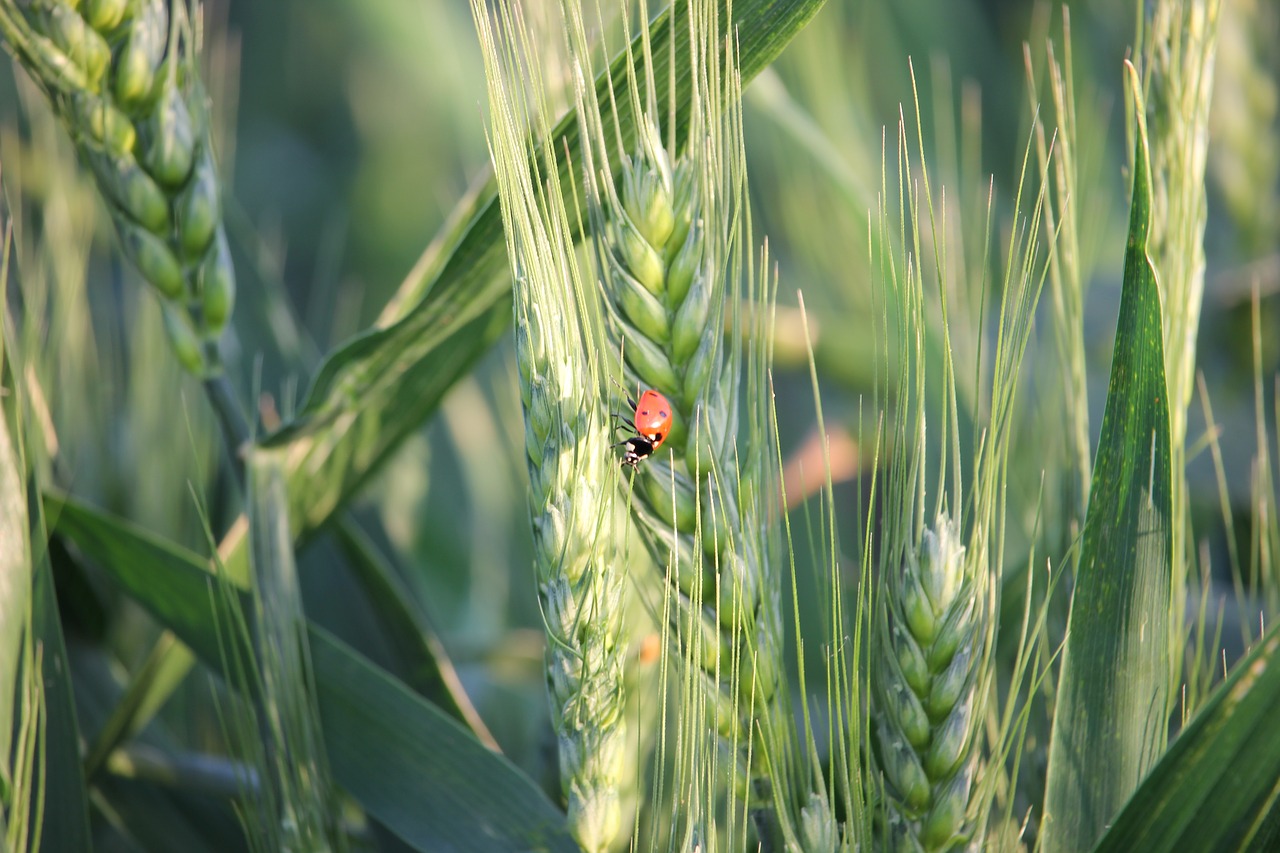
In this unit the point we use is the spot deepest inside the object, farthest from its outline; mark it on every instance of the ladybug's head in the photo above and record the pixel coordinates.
(636, 448)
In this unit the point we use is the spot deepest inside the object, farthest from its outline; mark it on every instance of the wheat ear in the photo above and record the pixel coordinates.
(671, 231)
(572, 477)
(930, 684)
(121, 75)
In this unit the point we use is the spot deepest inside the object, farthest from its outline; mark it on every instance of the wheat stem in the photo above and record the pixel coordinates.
(1179, 43)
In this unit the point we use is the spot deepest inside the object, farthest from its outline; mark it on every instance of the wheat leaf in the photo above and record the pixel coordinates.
(417, 771)
(1110, 721)
(1216, 788)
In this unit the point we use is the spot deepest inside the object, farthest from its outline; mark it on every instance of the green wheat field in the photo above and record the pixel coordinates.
(946, 521)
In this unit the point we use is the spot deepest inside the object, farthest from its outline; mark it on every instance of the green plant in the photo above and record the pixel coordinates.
(955, 627)
(686, 314)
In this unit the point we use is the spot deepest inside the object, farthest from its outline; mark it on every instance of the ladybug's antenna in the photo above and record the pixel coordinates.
(630, 402)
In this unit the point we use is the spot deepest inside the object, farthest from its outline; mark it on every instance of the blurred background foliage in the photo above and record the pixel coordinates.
(346, 133)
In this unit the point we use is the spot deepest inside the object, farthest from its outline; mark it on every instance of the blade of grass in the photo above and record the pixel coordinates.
(156, 818)
(27, 578)
(1109, 724)
(429, 671)
(66, 818)
(420, 654)
(164, 669)
(471, 799)
(152, 788)
(168, 580)
(15, 591)
(410, 766)
(1216, 788)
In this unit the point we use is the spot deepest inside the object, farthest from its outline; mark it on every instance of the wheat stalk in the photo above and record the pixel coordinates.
(1179, 42)
(670, 230)
(121, 75)
(1246, 150)
(571, 472)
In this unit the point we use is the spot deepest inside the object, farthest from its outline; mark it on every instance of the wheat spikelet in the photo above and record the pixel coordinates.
(579, 586)
(929, 687)
(122, 77)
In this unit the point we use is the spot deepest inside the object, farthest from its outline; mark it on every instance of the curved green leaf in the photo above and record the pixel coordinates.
(15, 591)
(67, 827)
(429, 671)
(1110, 723)
(471, 804)
(167, 579)
(410, 766)
(27, 592)
(1217, 787)
(421, 655)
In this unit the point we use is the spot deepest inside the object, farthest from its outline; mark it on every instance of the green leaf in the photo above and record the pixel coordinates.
(66, 817)
(1110, 723)
(161, 818)
(15, 592)
(418, 652)
(27, 591)
(1216, 787)
(409, 765)
(151, 790)
(168, 580)
(475, 800)
(371, 393)
(415, 644)
(165, 668)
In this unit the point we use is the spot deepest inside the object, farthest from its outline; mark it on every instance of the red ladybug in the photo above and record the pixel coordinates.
(651, 424)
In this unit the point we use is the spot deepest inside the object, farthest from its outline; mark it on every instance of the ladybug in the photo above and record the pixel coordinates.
(650, 425)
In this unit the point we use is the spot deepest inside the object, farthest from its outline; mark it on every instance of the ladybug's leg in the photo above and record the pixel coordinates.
(624, 422)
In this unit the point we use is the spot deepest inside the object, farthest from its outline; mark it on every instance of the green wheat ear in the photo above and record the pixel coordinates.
(572, 475)
(929, 687)
(121, 75)
(671, 230)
